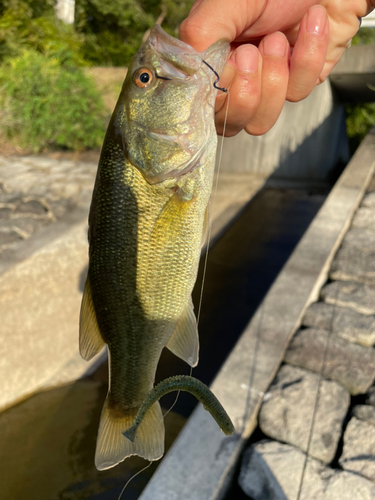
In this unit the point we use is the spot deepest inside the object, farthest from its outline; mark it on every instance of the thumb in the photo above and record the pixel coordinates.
(213, 20)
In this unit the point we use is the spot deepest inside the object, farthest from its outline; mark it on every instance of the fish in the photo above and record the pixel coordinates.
(147, 221)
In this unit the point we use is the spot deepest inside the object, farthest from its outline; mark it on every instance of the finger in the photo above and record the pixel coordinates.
(275, 73)
(212, 20)
(309, 53)
(343, 25)
(244, 92)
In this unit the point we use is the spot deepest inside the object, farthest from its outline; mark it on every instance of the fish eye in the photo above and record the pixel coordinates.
(143, 77)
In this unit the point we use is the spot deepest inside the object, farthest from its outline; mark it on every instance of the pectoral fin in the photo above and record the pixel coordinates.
(90, 339)
(184, 342)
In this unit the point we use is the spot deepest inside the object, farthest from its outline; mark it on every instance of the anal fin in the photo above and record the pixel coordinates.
(90, 339)
(184, 342)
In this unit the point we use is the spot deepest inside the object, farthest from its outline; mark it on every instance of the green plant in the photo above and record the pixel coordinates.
(359, 119)
(32, 25)
(113, 31)
(365, 36)
(48, 104)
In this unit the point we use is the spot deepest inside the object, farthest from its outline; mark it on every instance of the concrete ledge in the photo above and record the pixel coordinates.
(39, 308)
(200, 463)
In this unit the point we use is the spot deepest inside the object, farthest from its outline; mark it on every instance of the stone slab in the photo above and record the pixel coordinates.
(351, 365)
(362, 238)
(273, 471)
(354, 264)
(358, 296)
(358, 455)
(364, 218)
(202, 460)
(344, 322)
(287, 411)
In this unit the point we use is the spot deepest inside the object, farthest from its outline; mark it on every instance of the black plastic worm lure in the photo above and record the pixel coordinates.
(188, 384)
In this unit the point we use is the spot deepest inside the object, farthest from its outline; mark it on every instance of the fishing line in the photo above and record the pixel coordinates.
(315, 410)
(213, 202)
(131, 479)
(210, 222)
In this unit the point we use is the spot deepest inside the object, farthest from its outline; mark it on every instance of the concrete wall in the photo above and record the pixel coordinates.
(305, 144)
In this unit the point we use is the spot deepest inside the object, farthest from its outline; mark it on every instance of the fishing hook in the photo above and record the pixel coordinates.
(223, 89)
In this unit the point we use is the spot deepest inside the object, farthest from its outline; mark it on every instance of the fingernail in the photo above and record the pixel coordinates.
(316, 20)
(275, 45)
(246, 58)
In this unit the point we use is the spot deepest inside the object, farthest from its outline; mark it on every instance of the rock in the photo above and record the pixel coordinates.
(287, 411)
(365, 412)
(358, 296)
(273, 471)
(364, 217)
(342, 321)
(359, 448)
(360, 237)
(350, 364)
(354, 264)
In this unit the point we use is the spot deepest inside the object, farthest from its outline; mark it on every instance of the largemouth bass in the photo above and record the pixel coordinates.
(146, 226)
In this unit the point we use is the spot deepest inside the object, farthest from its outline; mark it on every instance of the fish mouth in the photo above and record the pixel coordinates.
(183, 56)
(179, 54)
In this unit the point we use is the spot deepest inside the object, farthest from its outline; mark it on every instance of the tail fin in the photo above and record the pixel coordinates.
(113, 447)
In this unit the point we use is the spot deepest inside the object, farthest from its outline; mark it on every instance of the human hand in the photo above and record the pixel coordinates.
(286, 58)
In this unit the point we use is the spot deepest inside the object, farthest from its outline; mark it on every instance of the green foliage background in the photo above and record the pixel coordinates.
(46, 99)
(47, 104)
(105, 33)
